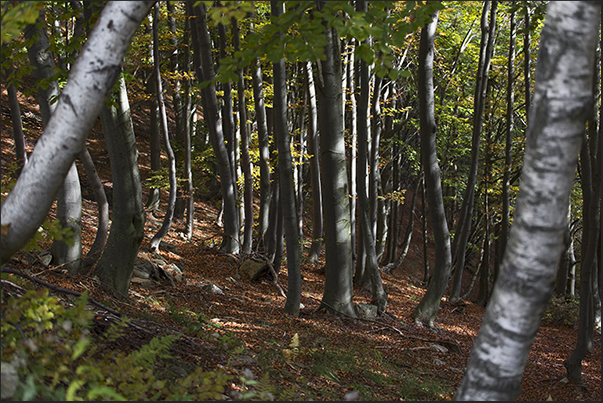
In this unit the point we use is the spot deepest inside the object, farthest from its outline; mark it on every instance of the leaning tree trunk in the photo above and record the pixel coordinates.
(15, 112)
(69, 198)
(116, 264)
(205, 68)
(287, 185)
(428, 308)
(562, 103)
(338, 288)
(169, 211)
(463, 227)
(79, 104)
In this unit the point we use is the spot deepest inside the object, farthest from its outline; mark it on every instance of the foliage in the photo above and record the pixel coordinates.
(16, 16)
(58, 357)
(562, 311)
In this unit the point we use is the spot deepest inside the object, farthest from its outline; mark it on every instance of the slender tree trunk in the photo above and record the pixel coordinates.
(155, 145)
(204, 66)
(169, 211)
(15, 113)
(264, 151)
(426, 266)
(287, 185)
(429, 305)
(313, 140)
(562, 103)
(186, 131)
(338, 288)
(245, 159)
(463, 227)
(353, 128)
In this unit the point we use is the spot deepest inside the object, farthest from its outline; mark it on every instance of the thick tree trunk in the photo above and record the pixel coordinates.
(116, 264)
(204, 66)
(338, 289)
(562, 103)
(169, 211)
(429, 306)
(287, 185)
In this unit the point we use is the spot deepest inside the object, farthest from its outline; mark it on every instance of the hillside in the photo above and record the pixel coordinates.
(244, 331)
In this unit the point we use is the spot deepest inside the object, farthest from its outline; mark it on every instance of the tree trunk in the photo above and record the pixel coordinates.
(81, 101)
(287, 185)
(204, 66)
(313, 140)
(69, 197)
(338, 289)
(116, 264)
(429, 306)
(100, 196)
(562, 103)
(154, 144)
(245, 159)
(15, 113)
(463, 227)
(264, 151)
(169, 211)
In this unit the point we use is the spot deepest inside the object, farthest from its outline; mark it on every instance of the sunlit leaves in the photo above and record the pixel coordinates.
(16, 16)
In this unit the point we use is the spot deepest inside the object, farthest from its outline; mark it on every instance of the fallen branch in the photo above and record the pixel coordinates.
(59, 289)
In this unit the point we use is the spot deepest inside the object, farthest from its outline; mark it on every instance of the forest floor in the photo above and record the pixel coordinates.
(246, 332)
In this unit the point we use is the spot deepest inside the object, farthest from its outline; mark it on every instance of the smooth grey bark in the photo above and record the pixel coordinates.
(353, 128)
(154, 196)
(82, 98)
(429, 305)
(315, 184)
(463, 227)
(338, 288)
(563, 101)
(69, 197)
(116, 264)
(245, 158)
(287, 185)
(264, 151)
(204, 64)
(169, 211)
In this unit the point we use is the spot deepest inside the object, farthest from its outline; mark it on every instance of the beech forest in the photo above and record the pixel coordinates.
(301, 200)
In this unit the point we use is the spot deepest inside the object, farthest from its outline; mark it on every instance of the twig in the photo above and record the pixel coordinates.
(60, 289)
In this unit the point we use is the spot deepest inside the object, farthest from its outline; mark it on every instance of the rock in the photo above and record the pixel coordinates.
(174, 271)
(365, 311)
(168, 247)
(10, 381)
(439, 348)
(253, 268)
(212, 288)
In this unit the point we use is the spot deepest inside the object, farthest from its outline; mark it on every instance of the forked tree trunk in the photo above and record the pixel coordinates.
(563, 100)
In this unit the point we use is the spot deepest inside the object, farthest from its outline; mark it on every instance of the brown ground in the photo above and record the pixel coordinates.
(253, 312)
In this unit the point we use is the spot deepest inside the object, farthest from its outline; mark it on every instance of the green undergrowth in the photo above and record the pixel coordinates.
(54, 352)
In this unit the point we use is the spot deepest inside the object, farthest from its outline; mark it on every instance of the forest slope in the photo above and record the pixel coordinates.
(245, 331)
